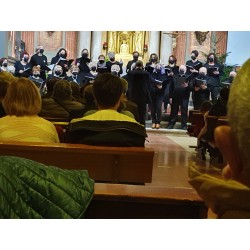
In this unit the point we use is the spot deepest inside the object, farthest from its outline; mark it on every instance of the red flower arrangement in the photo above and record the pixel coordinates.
(105, 45)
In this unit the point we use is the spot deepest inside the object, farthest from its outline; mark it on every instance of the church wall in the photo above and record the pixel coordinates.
(74, 42)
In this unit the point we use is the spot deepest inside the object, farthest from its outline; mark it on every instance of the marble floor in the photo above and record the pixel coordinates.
(173, 155)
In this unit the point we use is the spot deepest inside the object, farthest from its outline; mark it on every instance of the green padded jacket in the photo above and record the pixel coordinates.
(29, 189)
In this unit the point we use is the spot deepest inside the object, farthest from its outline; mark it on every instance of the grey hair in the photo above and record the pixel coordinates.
(111, 54)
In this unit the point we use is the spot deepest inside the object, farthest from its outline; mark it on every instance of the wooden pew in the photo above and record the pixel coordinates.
(105, 164)
(120, 201)
(212, 123)
(197, 123)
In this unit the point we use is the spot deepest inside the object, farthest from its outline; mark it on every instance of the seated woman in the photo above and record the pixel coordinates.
(57, 72)
(4, 84)
(22, 103)
(107, 126)
(62, 103)
(35, 77)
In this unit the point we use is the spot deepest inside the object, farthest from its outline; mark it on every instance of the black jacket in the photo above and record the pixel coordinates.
(107, 133)
(139, 86)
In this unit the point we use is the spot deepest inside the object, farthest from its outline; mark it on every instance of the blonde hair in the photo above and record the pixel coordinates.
(22, 98)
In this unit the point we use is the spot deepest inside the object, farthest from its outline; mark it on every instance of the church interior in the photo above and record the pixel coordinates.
(169, 194)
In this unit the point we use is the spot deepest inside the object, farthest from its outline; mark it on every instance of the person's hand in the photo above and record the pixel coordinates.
(20, 71)
(203, 86)
(38, 66)
(170, 101)
(170, 74)
(196, 88)
(216, 72)
(184, 85)
(193, 70)
(159, 86)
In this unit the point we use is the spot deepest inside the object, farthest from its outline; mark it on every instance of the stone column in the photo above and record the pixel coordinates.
(221, 46)
(4, 36)
(96, 45)
(180, 50)
(166, 47)
(70, 44)
(28, 38)
(84, 38)
(154, 42)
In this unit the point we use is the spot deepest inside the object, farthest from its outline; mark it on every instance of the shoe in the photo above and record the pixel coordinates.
(170, 127)
(157, 126)
(153, 125)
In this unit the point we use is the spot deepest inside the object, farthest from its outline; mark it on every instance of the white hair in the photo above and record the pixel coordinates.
(11, 69)
(115, 68)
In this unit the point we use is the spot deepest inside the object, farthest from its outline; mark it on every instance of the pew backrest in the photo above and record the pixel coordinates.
(104, 164)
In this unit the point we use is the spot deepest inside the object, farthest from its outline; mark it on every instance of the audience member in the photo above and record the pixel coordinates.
(229, 198)
(62, 103)
(22, 103)
(4, 84)
(107, 126)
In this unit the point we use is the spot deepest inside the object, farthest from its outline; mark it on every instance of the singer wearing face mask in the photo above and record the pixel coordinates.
(40, 60)
(214, 71)
(90, 77)
(179, 92)
(200, 90)
(153, 60)
(61, 59)
(23, 67)
(4, 64)
(158, 83)
(57, 73)
(112, 61)
(74, 75)
(194, 64)
(101, 65)
(135, 59)
(83, 64)
(35, 77)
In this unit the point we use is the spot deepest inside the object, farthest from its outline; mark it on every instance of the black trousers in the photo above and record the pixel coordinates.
(156, 108)
(183, 104)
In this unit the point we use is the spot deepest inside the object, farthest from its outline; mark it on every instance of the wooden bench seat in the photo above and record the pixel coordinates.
(120, 201)
(197, 123)
(104, 164)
